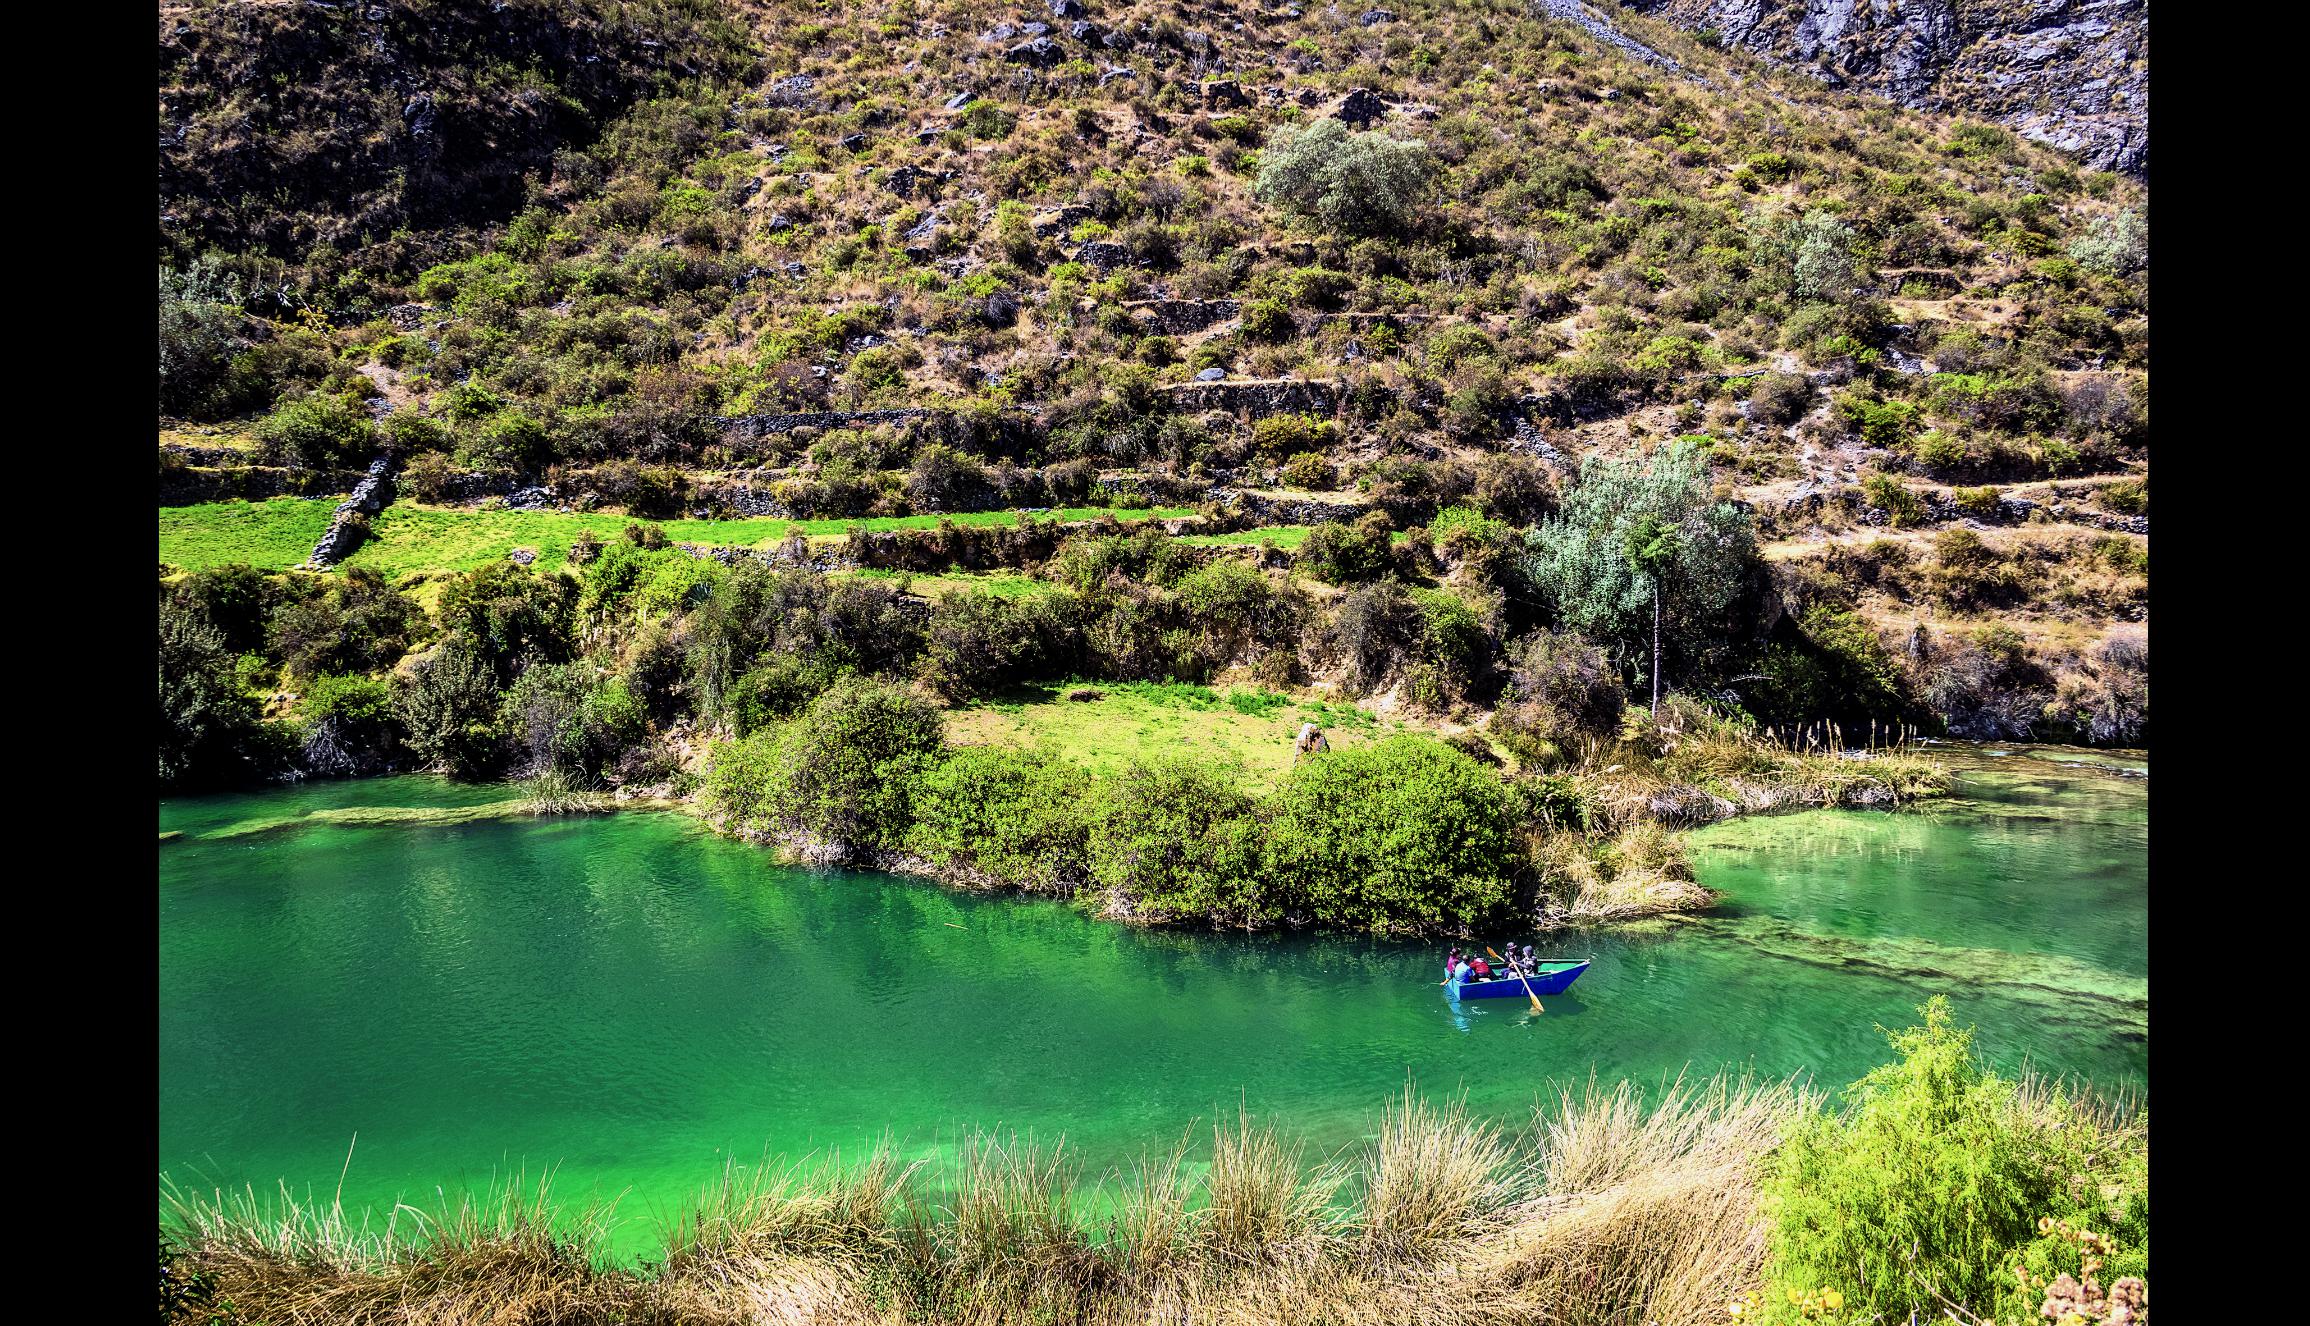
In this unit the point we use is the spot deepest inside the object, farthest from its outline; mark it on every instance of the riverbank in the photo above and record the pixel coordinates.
(1410, 835)
(1601, 1207)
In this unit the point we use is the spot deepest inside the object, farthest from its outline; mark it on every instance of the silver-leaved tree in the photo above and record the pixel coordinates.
(1643, 560)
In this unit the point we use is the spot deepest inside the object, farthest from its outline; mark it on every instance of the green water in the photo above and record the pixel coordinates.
(628, 1000)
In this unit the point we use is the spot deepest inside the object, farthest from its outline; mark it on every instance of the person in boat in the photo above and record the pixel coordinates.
(1451, 963)
(1526, 959)
(1479, 969)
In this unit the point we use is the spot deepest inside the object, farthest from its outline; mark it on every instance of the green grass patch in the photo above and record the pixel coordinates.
(1250, 728)
(272, 534)
(1286, 537)
(407, 538)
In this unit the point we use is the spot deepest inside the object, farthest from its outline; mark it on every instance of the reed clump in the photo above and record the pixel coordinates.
(554, 792)
(1692, 765)
(1589, 879)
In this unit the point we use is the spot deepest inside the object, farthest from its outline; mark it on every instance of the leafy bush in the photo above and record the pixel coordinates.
(1560, 689)
(1835, 669)
(841, 776)
(2116, 245)
(449, 707)
(513, 615)
(1812, 254)
(317, 431)
(1403, 834)
(2127, 497)
(1176, 839)
(203, 374)
(1902, 507)
(570, 725)
(978, 642)
(1267, 320)
(1345, 554)
(1955, 1167)
(1288, 434)
(985, 119)
(1880, 423)
(1308, 469)
(1780, 399)
(208, 720)
(1357, 183)
(1016, 817)
(359, 623)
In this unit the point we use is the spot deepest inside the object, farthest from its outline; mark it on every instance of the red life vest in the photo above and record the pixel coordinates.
(1480, 967)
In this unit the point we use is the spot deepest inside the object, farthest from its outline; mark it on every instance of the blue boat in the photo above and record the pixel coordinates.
(1546, 978)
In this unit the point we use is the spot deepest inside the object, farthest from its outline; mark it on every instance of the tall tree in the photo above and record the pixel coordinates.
(1651, 543)
(1641, 559)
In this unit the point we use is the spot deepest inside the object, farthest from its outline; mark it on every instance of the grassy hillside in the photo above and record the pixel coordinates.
(1362, 294)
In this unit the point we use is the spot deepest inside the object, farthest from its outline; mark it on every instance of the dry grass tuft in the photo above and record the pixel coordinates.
(1605, 1209)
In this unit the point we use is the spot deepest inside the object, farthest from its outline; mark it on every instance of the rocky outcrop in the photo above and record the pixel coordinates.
(351, 523)
(2073, 74)
(1256, 398)
(1176, 317)
(1266, 510)
(1587, 19)
(771, 425)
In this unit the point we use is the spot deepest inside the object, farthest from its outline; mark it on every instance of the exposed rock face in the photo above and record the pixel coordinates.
(765, 425)
(1291, 511)
(351, 523)
(2073, 74)
(1178, 316)
(1256, 399)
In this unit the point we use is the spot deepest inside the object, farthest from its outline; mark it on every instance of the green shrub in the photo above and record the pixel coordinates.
(1401, 835)
(317, 431)
(2115, 246)
(1017, 817)
(1931, 1183)
(1357, 183)
(1880, 423)
(1267, 320)
(2127, 497)
(359, 709)
(1309, 470)
(1290, 434)
(1561, 690)
(1780, 399)
(358, 624)
(449, 707)
(1768, 167)
(1174, 839)
(1344, 554)
(985, 119)
(1837, 669)
(1902, 507)
(208, 719)
(841, 776)
(1982, 503)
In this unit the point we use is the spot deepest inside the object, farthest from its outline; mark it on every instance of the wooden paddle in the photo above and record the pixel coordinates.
(1519, 976)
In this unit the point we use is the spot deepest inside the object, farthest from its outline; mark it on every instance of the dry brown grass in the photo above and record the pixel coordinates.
(1604, 1209)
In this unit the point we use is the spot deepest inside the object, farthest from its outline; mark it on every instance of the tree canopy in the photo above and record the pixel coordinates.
(1627, 520)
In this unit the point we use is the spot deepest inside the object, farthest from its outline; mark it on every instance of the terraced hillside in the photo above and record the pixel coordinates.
(1390, 275)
